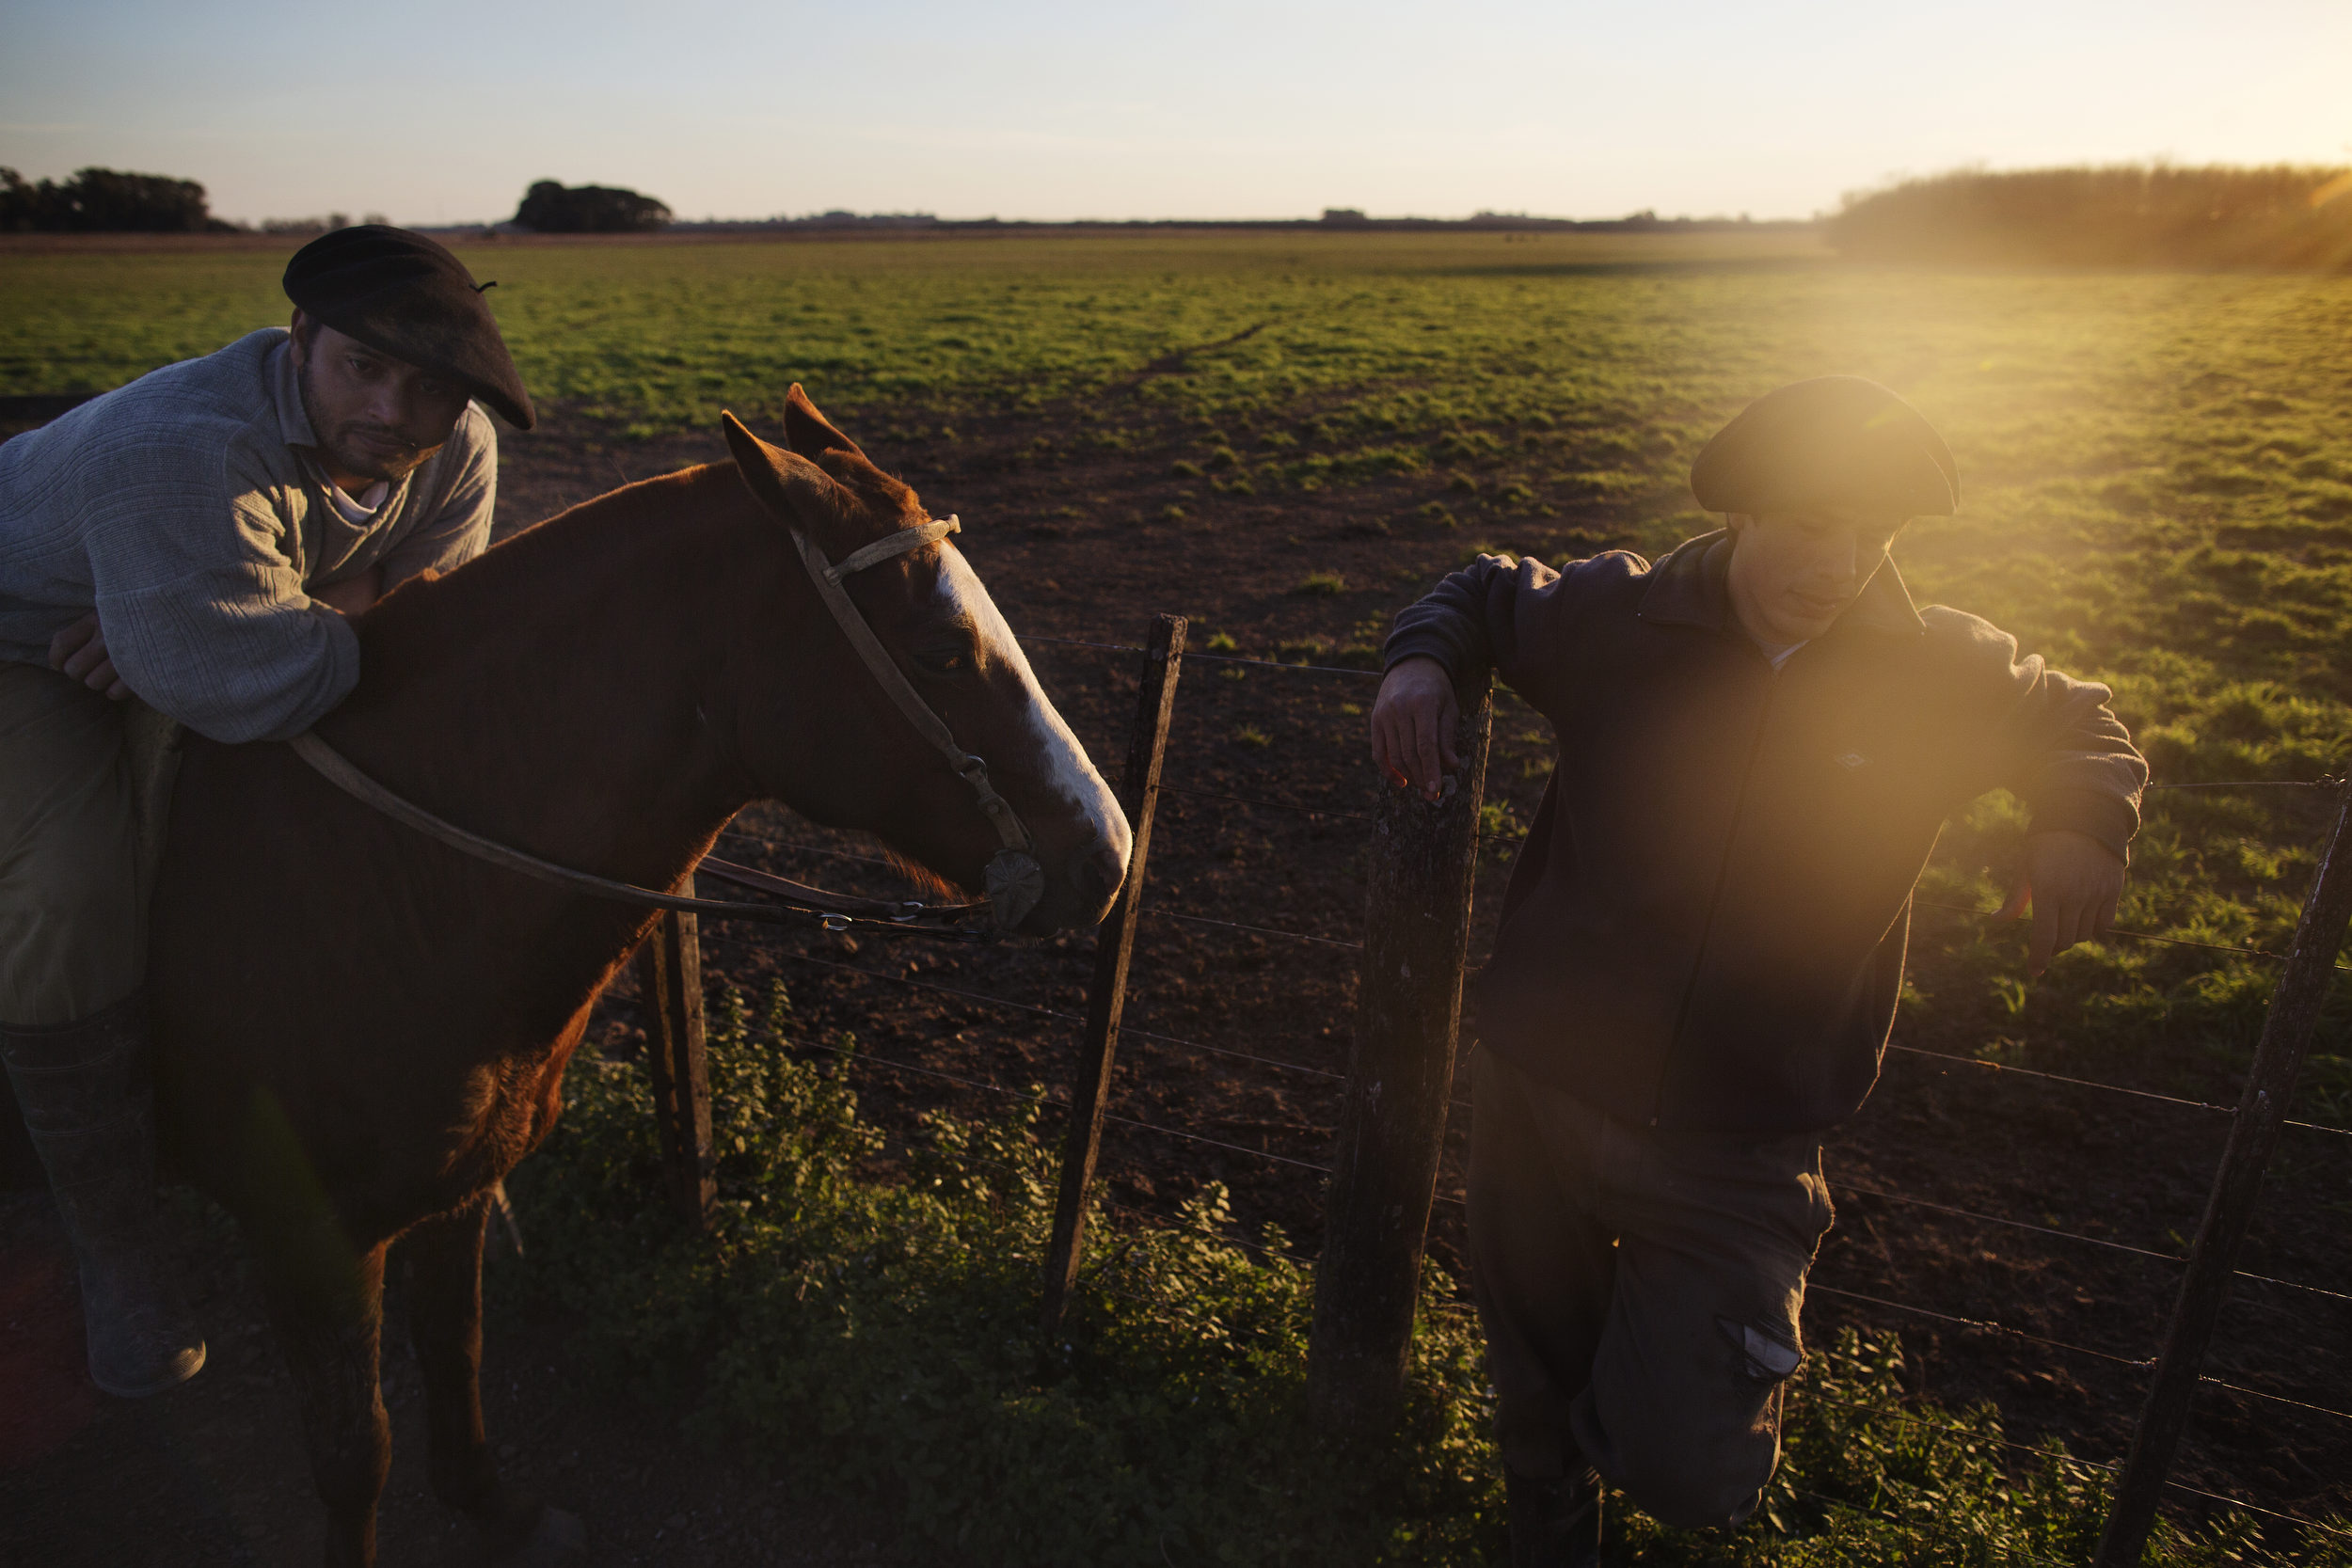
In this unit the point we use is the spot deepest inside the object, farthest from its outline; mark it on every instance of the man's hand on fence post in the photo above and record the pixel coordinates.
(2074, 883)
(1413, 721)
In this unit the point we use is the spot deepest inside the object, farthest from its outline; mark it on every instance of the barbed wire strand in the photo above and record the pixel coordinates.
(2257, 1508)
(1125, 1031)
(1046, 1098)
(2094, 1083)
(2136, 936)
(1076, 643)
(2276, 1399)
(1891, 1412)
(1845, 1186)
(1258, 801)
(1472, 969)
(2253, 784)
(1215, 1143)
(1278, 664)
(1982, 1326)
(1261, 930)
(1987, 1326)
(2058, 1078)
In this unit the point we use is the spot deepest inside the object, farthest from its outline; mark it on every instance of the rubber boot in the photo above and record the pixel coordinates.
(86, 1090)
(1555, 1523)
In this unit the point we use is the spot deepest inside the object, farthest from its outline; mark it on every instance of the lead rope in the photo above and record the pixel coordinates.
(1015, 882)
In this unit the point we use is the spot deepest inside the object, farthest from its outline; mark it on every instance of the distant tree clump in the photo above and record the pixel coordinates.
(2283, 215)
(105, 200)
(554, 208)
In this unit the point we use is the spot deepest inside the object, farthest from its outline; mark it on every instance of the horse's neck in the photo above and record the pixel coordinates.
(547, 695)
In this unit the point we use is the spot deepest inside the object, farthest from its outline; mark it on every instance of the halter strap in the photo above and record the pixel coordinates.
(827, 578)
(893, 545)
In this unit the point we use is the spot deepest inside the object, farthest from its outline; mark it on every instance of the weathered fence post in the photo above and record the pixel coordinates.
(1139, 792)
(670, 982)
(1417, 903)
(2269, 1089)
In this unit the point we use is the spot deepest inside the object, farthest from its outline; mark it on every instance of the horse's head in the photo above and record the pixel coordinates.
(876, 763)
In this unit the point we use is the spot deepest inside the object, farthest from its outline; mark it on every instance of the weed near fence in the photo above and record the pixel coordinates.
(877, 1335)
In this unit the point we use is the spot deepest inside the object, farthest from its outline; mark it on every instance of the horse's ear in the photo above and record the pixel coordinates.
(809, 433)
(794, 488)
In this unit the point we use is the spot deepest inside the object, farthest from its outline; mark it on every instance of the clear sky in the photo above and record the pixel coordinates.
(434, 111)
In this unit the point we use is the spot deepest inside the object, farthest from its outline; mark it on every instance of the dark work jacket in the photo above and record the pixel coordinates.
(1706, 926)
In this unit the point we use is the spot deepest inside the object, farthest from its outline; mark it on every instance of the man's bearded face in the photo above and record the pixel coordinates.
(375, 417)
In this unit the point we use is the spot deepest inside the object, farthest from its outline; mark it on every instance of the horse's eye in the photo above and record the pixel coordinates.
(944, 662)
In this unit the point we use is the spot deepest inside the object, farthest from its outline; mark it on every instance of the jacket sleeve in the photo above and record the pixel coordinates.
(204, 613)
(1515, 619)
(2055, 742)
(456, 526)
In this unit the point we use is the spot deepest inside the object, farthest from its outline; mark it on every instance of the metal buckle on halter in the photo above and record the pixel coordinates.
(906, 909)
(833, 922)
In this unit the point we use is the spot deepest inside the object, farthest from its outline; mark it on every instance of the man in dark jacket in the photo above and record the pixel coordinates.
(1759, 738)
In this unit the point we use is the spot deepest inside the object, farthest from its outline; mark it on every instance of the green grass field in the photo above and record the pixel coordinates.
(2158, 493)
(2158, 488)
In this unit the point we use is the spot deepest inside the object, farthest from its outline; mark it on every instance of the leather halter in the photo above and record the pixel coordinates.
(1016, 881)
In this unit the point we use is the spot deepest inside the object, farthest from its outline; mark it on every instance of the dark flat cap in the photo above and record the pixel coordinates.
(406, 295)
(1838, 440)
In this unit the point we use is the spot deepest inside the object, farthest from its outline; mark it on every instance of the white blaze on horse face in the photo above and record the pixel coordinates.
(1067, 769)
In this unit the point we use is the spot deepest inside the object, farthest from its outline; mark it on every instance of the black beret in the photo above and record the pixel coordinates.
(1838, 440)
(406, 295)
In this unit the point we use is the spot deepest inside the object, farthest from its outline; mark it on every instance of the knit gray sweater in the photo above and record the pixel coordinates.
(187, 509)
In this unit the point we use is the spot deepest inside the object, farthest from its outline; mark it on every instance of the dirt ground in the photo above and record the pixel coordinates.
(1085, 547)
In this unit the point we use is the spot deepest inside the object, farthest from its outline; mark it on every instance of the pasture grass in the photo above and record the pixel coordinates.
(879, 1338)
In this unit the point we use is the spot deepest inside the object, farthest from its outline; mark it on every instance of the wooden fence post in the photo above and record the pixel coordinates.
(1139, 793)
(670, 983)
(2269, 1089)
(1417, 903)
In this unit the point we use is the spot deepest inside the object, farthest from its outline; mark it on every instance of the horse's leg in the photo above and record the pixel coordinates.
(330, 1325)
(445, 1325)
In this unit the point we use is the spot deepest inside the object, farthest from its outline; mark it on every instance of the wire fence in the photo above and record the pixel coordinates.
(1122, 1113)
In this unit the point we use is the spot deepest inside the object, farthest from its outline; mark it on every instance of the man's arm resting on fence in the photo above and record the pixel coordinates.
(1413, 721)
(1511, 618)
(2063, 751)
(2074, 883)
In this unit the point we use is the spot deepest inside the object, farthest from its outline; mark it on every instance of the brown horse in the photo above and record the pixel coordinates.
(360, 1030)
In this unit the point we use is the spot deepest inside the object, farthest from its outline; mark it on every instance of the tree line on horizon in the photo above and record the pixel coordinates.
(2124, 214)
(114, 201)
(2127, 214)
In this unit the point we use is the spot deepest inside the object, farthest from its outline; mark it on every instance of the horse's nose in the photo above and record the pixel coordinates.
(1098, 872)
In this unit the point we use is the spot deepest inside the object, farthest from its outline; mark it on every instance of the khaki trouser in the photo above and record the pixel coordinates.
(83, 788)
(1640, 1292)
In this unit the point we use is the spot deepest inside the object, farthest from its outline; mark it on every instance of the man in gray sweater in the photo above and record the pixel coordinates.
(190, 547)
(1759, 737)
